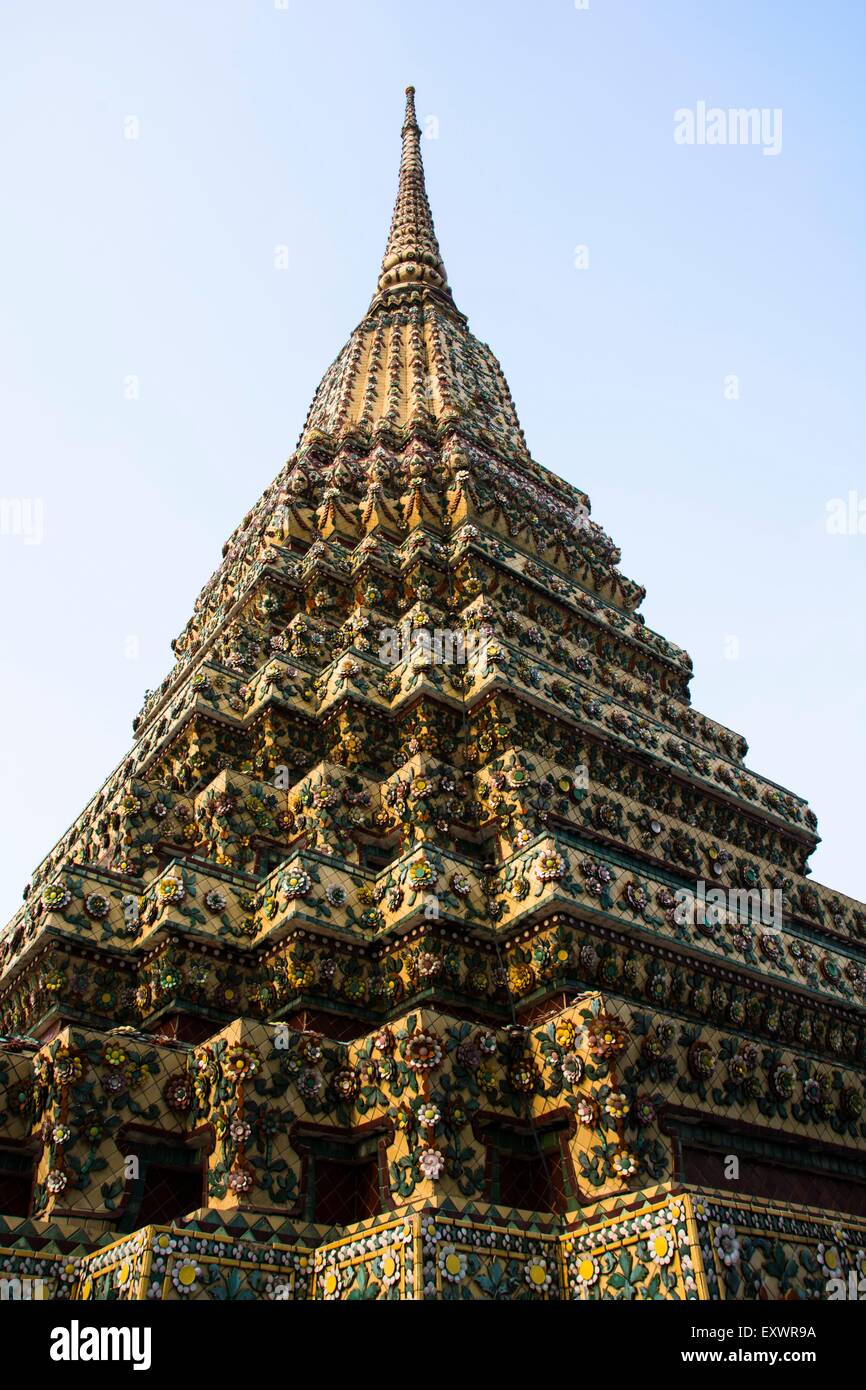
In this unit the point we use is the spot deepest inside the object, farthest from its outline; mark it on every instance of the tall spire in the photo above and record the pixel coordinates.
(412, 259)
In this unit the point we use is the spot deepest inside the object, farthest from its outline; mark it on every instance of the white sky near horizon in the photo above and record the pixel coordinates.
(548, 128)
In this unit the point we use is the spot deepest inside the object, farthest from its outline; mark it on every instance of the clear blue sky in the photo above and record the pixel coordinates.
(261, 127)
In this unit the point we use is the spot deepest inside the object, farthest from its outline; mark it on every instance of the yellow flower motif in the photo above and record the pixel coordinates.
(300, 976)
(661, 1249)
(538, 1276)
(587, 1271)
(240, 1062)
(521, 978)
(170, 888)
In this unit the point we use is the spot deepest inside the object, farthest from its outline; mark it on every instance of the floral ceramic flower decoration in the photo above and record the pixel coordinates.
(829, 968)
(179, 1093)
(637, 897)
(422, 1051)
(387, 1269)
(521, 978)
(851, 1102)
(296, 884)
(384, 1041)
(781, 1078)
(572, 1068)
(616, 1105)
(170, 889)
(645, 1111)
(624, 1163)
(330, 1281)
(311, 1083)
(586, 1271)
(549, 868)
(606, 1037)
(431, 1163)
(186, 1277)
(241, 1179)
(661, 1247)
(240, 1062)
(422, 874)
(586, 1111)
(69, 1067)
(538, 1276)
(452, 1263)
(702, 1060)
(598, 877)
(469, 1055)
(428, 965)
(812, 1091)
(56, 896)
(771, 947)
(346, 1083)
(523, 1075)
(829, 1259)
(727, 1245)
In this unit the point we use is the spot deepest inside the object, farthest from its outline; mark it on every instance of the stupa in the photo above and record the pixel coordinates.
(428, 943)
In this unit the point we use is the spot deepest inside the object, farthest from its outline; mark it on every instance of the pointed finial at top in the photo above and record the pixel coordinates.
(412, 257)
